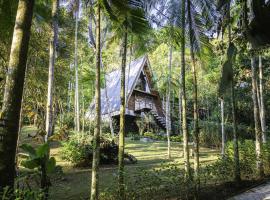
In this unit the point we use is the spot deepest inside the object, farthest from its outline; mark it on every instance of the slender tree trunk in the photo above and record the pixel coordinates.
(258, 134)
(184, 99)
(223, 137)
(10, 115)
(168, 106)
(237, 173)
(258, 98)
(77, 105)
(195, 99)
(53, 43)
(262, 113)
(96, 138)
(83, 113)
(69, 91)
(180, 107)
(122, 120)
(93, 42)
(108, 102)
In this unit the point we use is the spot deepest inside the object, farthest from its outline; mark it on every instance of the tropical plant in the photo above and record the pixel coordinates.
(40, 159)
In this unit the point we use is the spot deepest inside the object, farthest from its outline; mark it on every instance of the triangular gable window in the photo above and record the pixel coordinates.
(142, 83)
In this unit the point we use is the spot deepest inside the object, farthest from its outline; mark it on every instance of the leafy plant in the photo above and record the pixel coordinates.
(39, 159)
(78, 150)
(20, 194)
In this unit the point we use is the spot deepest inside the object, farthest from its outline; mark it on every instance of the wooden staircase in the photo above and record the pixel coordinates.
(160, 120)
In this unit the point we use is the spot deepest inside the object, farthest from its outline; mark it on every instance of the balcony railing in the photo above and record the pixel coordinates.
(143, 105)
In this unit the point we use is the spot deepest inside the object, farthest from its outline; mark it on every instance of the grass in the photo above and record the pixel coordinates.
(75, 183)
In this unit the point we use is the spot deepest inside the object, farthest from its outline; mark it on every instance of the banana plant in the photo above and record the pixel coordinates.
(39, 158)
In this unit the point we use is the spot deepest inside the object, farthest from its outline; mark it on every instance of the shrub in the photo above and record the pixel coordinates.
(67, 120)
(78, 150)
(22, 193)
(210, 133)
(247, 156)
(154, 136)
(134, 136)
(150, 135)
(176, 138)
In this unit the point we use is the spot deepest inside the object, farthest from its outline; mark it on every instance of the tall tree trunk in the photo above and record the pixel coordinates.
(195, 98)
(168, 106)
(69, 91)
(262, 113)
(180, 107)
(108, 102)
(223, 137)
(83, 113)
(77, 105)
(184, 99)
(96, 138)
(237, 173)
(93, 44)
(258, 134)
(122, 120)
(10, 114)
(53, 43)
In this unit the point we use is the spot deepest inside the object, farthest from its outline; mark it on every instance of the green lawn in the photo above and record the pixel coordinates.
(75, 183)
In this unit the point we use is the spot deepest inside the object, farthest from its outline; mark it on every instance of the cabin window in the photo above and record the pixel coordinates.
(141, 83)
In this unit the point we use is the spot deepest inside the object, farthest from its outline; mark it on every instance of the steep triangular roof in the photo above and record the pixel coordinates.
(113, 83)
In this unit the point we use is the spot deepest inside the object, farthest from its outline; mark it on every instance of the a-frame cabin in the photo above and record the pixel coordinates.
(140, 95)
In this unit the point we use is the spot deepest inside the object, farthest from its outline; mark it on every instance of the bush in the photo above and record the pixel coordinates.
(154, 136)
(177, 138)
(23, 193)
(210, 133)
(247, 156)
(134, 136)
(78, 150)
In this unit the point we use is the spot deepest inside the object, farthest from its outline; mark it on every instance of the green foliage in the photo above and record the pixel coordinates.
(210, 133)
(162, 183)
(22, 194)
(176, 138)
(78, 150)
(247, 156)
(36, 158)
(154, 136)
(134, 136)
(227, 70)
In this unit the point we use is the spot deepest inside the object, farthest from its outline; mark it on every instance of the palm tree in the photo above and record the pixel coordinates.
(183, 92)
(10, 114)
(195, 94)
(129, 18)
(96, 138)
(122, 117)
(93, 45)
(53, 43)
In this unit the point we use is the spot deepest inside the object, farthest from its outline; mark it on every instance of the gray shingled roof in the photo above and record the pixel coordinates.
(113, 86)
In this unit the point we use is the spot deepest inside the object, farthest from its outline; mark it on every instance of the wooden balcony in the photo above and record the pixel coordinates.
(143, 105)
